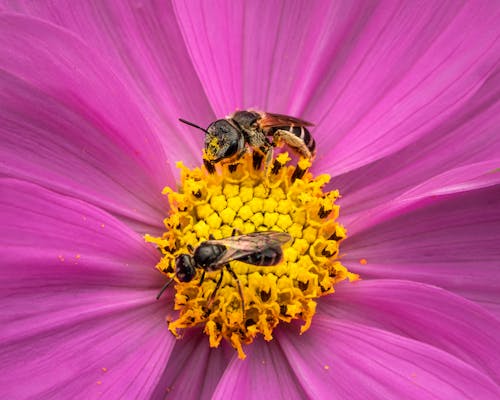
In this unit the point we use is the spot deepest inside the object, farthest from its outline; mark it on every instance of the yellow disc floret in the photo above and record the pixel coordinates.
(283, 198)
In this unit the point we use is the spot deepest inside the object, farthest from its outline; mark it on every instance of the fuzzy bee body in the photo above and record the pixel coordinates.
(258, 248)
(228, 139)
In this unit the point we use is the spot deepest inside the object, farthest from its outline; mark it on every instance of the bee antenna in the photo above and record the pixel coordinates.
(165, 286)
(193, 125)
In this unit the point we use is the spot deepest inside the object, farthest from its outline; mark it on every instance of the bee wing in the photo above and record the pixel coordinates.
(270, 120)
(243, 245)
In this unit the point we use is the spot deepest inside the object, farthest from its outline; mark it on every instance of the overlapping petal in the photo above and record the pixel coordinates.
(73, 126)
(346, 360)
(272, 376)
(78, 296)
(462, 154)
(361, 71)
(142, 43)
(451, 244)
(423, 313)
(193, 368)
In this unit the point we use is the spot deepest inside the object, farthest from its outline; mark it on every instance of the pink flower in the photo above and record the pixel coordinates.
(405, 98)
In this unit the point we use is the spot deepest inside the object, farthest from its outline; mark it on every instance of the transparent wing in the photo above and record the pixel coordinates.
(270, 120)
(243, 245)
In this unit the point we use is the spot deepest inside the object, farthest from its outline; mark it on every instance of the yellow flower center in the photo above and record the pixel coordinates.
(242, 197)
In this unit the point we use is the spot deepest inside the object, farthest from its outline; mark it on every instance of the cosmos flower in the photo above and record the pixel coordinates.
(404, 97)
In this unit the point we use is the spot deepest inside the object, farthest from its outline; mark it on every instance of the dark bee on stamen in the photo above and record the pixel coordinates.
(228, 139)
(258, 248)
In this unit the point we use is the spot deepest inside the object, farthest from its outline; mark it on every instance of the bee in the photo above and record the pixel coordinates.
(228, 139)
(258, 248)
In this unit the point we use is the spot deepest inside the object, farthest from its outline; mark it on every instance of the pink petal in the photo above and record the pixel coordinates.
(457, 156)
(265, 373)
(193, 369)
(410, 69)
(452, 244)
(78, 294)
(142, 42)
(72, 126)
(423, 313)
(268, 55)
(373, 77)
(345, 360)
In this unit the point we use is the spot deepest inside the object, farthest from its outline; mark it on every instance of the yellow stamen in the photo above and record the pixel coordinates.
(288, 199)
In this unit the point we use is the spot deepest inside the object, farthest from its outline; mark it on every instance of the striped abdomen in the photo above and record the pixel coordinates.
(265, 257)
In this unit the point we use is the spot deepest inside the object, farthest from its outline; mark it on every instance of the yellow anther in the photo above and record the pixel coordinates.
(246, 193)
(284, 221)
(203, 211)
(245, 212)
(218, 202)
(310, 234)
(270, 205)
(228, 215)
(257, 219)
(214, 221)
(270, 218)
(256, 204)
(235, 203)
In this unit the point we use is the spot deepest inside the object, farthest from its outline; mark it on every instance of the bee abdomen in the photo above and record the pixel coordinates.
(266, 257)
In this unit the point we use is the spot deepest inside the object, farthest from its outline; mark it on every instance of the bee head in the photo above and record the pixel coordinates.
(223, 140)
(185, 268)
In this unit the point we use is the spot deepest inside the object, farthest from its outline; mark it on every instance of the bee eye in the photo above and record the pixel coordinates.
(184, 268)
(232, 148)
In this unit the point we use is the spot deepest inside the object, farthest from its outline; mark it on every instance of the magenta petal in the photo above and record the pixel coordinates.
(459, 155)
(457, 180)
(193, 368)
(373, 77)
(143, 45)
(78, 295)
(115, 351)
(265, 373)
(269, 55)
(345, 360)
(452, 244)
(50, 237)
(412, 67)
(423, 313)
(72, 126)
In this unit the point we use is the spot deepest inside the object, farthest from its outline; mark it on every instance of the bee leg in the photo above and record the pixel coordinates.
(267, 165)
(269, 158)
(212, 296)
(190, 248)
(202, 278)
(235, 277)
